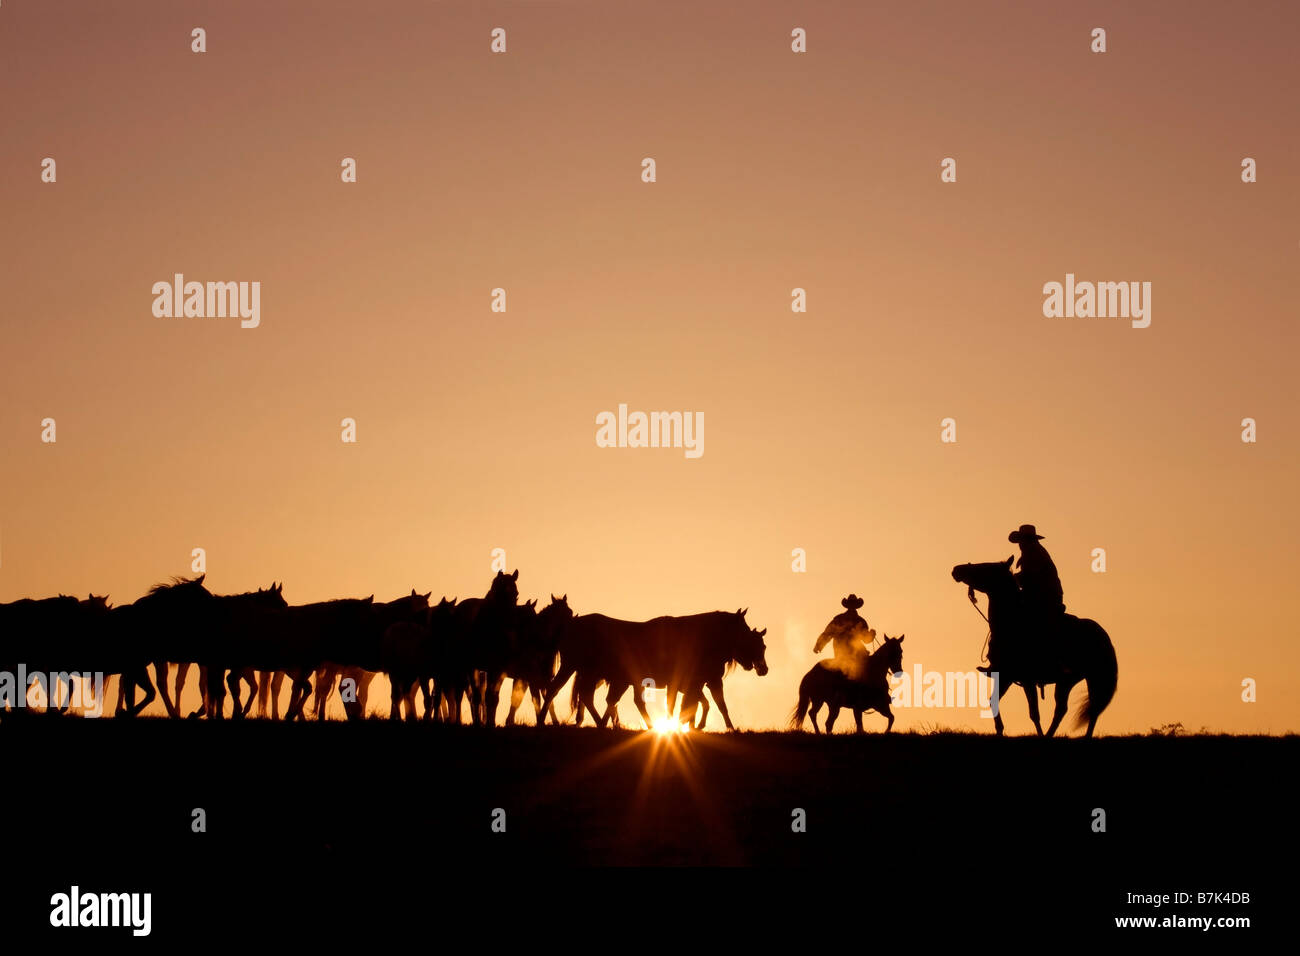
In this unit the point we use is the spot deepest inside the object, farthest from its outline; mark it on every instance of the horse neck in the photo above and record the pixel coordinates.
(877, 669)
(1002, 606)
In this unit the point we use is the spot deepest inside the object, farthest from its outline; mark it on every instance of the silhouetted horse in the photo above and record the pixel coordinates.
(836, 686)
(685, 653)
(230, 611)
(361, 658)
(1086, 652)
(53, 638)
(481, 635)
(297, 640)
(148, 629)
(412, 653)
(533, 657)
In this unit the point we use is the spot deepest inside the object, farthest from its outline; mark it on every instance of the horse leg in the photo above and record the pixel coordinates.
(638, 697)
(277, 682)
(182, 674)
(1061, 704)
(832, 713)
(857, 718)
(263, 692)
(142, 679)
(205, 693)
(324, 688)
(996, 706)
(363, 679)
(160, 679)
(553, 687)
(395, 695)
(890, 714)
(248, 676)
(299, 695)
(715, 688)
(813, 711)
(704, 710)
(475, 700)
(584, 692)
(492, 697)
(232, 681)
(517, 690)
(217, 692)
(690, 704)
(125, 694)
(1033, 707)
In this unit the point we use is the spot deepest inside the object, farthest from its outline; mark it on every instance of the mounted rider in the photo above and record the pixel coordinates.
(1042, 601)
(851, 634)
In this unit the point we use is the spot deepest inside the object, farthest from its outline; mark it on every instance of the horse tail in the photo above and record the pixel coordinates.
(800, 709)
(1102, 679)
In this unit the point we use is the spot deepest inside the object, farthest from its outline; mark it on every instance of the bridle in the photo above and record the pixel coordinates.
(974, 602)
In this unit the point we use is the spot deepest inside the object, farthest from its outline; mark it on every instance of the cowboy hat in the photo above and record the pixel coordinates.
(1025, 532)
(853, 602)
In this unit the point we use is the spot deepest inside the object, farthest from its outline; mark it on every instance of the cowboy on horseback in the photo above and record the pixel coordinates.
(851, 634)
(1042, 599)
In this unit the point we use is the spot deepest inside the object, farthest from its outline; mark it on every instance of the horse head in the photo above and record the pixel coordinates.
(187, 592)
(271, 597)
(749, 651)
(890, 657)
(553, 619)
(990, 577)
(417, 603)
(505, 588)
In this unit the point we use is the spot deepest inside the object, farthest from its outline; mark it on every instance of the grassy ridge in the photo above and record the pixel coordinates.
(956, 812)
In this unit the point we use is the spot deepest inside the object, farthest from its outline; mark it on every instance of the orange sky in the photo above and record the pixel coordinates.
(775, 170)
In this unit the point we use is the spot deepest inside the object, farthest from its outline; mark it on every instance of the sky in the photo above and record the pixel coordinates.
(774, 170)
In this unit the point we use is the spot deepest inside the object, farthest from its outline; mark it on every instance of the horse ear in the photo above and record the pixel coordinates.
(552, 597)
(564, 596)
(900, 638)
(515, 576)
(1009, 559)
(763, 632)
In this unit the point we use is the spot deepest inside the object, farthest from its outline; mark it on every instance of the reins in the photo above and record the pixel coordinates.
(974, 602)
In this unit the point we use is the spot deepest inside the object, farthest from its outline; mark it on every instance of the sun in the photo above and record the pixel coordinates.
(666, 726)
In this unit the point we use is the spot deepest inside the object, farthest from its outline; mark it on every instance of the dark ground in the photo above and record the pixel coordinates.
(350, 818)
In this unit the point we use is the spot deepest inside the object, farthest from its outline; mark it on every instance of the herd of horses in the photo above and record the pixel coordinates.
(453, 653)
(457, 654)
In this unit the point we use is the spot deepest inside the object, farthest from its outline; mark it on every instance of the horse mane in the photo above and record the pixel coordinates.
(176, 582)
